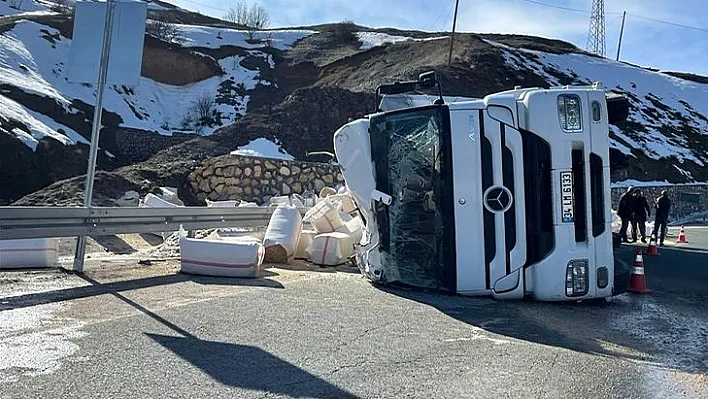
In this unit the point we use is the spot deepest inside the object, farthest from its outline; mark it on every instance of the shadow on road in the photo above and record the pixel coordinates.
(663, 328)
(96, 288)
(249, 367)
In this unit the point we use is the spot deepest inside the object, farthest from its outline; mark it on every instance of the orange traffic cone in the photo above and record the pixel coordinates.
(637, 281)
(652, 250)
(682, 237)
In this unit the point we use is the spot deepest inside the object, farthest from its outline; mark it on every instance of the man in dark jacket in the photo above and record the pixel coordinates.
(663, 205)
(640, 213)
(624, 211)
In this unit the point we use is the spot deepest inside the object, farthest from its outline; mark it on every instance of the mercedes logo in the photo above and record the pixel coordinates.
(498, 199)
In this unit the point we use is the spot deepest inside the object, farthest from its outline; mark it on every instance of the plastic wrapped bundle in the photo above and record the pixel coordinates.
(295, 201)
(324, 216)
(222, 204)
(305, 239)
(352, 226)
(330, 249)
(347, 204)
(153, 201)
(282, 234)
(29, 253)
(169, 194)
(220, 258)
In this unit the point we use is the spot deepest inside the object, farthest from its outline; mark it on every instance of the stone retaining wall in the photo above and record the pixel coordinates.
(682, 200)
(254, 179)
(134, 145)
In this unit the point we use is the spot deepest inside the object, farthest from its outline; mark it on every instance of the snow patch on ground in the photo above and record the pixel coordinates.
(680, 340)
(262, 147)
(637, 183)
(214, 38)
(373, 39)
(38, 124)
(10, 7)
(33, 58)
(33, 339)
(659, 102)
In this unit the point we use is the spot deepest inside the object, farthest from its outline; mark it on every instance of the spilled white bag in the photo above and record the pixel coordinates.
(352, 226)
(305, 239)
(283, 234)
(216, 257)
(324, 216)
(330, 249)
(346, 202)
(222, 204)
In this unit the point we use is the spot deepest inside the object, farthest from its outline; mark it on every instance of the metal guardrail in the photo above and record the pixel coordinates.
(47, 222)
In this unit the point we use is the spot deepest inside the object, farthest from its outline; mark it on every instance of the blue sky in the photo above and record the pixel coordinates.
(645, 42)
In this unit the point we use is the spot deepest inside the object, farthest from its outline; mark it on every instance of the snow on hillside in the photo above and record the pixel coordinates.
(214, 38)
(659, 101)
(14, 7)
(374, 39)
(262, 147)
(38, 125)
(33, 58)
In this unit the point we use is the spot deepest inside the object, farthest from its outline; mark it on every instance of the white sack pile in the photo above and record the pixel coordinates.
(335, 230)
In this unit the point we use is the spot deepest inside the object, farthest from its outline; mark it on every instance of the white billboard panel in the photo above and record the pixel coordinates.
(127, 42)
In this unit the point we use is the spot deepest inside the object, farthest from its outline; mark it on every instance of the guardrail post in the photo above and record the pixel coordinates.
(80, 254)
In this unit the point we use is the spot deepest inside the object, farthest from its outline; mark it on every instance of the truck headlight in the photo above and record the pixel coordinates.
(576, 277)
(569, 112)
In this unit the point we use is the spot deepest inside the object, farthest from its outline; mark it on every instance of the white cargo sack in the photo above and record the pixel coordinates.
(282, 234)
(305, 239)
(324, 216)
(353, 226)
(330, 249)
(222, 204)
(169, 194)
(346, 202)
(220, 258)
(153, 201)
(286, 200)
(29, 253)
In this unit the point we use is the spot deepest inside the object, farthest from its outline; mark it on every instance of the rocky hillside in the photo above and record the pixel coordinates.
(292, 87)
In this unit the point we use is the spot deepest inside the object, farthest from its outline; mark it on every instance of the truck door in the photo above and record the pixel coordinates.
(489, 201)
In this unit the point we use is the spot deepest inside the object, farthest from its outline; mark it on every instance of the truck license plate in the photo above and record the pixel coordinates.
(567, 196)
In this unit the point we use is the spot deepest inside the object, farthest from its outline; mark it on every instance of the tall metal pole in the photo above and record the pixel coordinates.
(452, 37)
(619, 45)
(95, 128)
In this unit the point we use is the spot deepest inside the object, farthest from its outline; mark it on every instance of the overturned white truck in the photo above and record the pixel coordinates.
(507, 196)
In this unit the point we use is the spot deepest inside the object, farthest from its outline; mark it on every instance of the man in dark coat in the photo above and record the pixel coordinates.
(663, 205)
(624, 211)
(640, 213)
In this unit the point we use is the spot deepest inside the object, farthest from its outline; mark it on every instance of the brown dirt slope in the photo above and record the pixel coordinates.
(305, 121)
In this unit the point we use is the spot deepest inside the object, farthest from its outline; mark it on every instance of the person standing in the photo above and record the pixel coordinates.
(624, 211)
(663, 206)
(640, 213)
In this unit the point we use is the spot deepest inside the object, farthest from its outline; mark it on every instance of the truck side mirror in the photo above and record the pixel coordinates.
(617, 108)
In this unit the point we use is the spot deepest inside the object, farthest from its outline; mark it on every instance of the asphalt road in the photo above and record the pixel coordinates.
(316, 334)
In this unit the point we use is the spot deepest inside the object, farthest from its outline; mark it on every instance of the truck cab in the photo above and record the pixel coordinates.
(505, 196)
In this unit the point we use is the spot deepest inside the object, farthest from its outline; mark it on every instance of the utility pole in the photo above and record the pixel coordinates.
(596, 35)
(96, 128)
(619, 45)
(452, 37)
